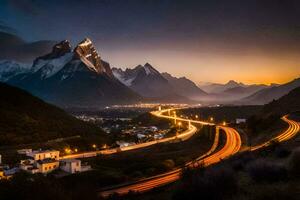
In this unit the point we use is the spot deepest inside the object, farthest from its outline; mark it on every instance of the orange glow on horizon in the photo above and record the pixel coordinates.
(215, 67)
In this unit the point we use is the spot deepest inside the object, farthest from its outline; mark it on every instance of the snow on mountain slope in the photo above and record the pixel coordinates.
(50, 67)
(9, 69)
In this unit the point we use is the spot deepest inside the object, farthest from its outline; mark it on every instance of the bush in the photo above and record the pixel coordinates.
(213, 183)
(168, 164)
(262, 170)
(294, 163)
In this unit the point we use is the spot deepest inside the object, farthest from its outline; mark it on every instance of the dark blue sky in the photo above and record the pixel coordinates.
(128, 32)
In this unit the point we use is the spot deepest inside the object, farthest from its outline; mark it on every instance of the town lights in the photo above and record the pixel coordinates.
(196, 116)
(94, 146)
(224, 123)
(211, 119)
(67, 150)
(76, 150)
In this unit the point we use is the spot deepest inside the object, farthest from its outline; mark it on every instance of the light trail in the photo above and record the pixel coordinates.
(232, 146)
(292, 130)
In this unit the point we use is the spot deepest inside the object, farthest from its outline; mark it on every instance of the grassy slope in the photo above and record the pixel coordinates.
(27, 119)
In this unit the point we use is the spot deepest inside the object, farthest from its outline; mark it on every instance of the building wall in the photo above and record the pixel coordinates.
(71, 167)
(44, 155)
(48, 167)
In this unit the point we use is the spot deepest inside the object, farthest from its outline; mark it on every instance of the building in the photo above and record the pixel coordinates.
(41, 155)
(238, 121)
(40, 161)
(24, 151)
(47, 165)
(71, 165)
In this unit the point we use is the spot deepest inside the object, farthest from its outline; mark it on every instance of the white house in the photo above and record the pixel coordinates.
(71, 165)
(238, 121)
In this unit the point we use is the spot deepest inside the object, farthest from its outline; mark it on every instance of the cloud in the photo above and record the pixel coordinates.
(5, 28)
(29, 7)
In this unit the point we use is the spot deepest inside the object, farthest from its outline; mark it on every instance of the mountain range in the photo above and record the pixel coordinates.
(272, 93)
(79, 77)
(148, 82)
(74, 78)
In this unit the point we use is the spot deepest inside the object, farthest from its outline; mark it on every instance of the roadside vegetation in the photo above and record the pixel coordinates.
(272, 173)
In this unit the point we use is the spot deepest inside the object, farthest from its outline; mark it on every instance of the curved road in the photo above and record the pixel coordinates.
(232, 146)
(292, 130)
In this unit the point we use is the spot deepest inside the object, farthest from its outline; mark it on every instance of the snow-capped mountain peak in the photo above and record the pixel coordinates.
(149, 69)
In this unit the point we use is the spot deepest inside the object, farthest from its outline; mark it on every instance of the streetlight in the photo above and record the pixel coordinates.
(211, 119)
(76, 150)
(94, 146)
(179, 124)
(224, 123)
(196, 116)
(67, 150)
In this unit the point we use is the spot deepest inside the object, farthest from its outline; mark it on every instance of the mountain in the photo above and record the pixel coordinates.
(230, 92)
(74, 78)
(145, 80)
(15, 48)
(27, 119)
(184, 86)
(267, 95)
(218, 88)
(9, 69)
(285, 104)
(243, 91)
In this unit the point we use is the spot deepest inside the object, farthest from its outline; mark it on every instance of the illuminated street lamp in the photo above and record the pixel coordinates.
(211, 119)
(179, 124)
(196, 116)
(94, 146)
(76, 150)
(224, 123)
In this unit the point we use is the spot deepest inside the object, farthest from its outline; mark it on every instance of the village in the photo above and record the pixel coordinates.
(44, 162)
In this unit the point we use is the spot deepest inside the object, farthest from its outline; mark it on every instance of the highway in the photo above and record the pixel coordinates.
(182, 136)
(232, 146)
(292, 130)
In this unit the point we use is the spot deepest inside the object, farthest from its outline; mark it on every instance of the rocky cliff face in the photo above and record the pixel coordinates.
(58, 50)
(86, 52)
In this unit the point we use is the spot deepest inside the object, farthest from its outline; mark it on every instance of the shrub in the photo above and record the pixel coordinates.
(168, 164)
(294, 163)
(265, 171)
(212, 183)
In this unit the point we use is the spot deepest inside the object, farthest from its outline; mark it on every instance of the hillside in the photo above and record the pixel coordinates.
(184, 86)
(286, 104)
(267, 95)
(27, 119)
